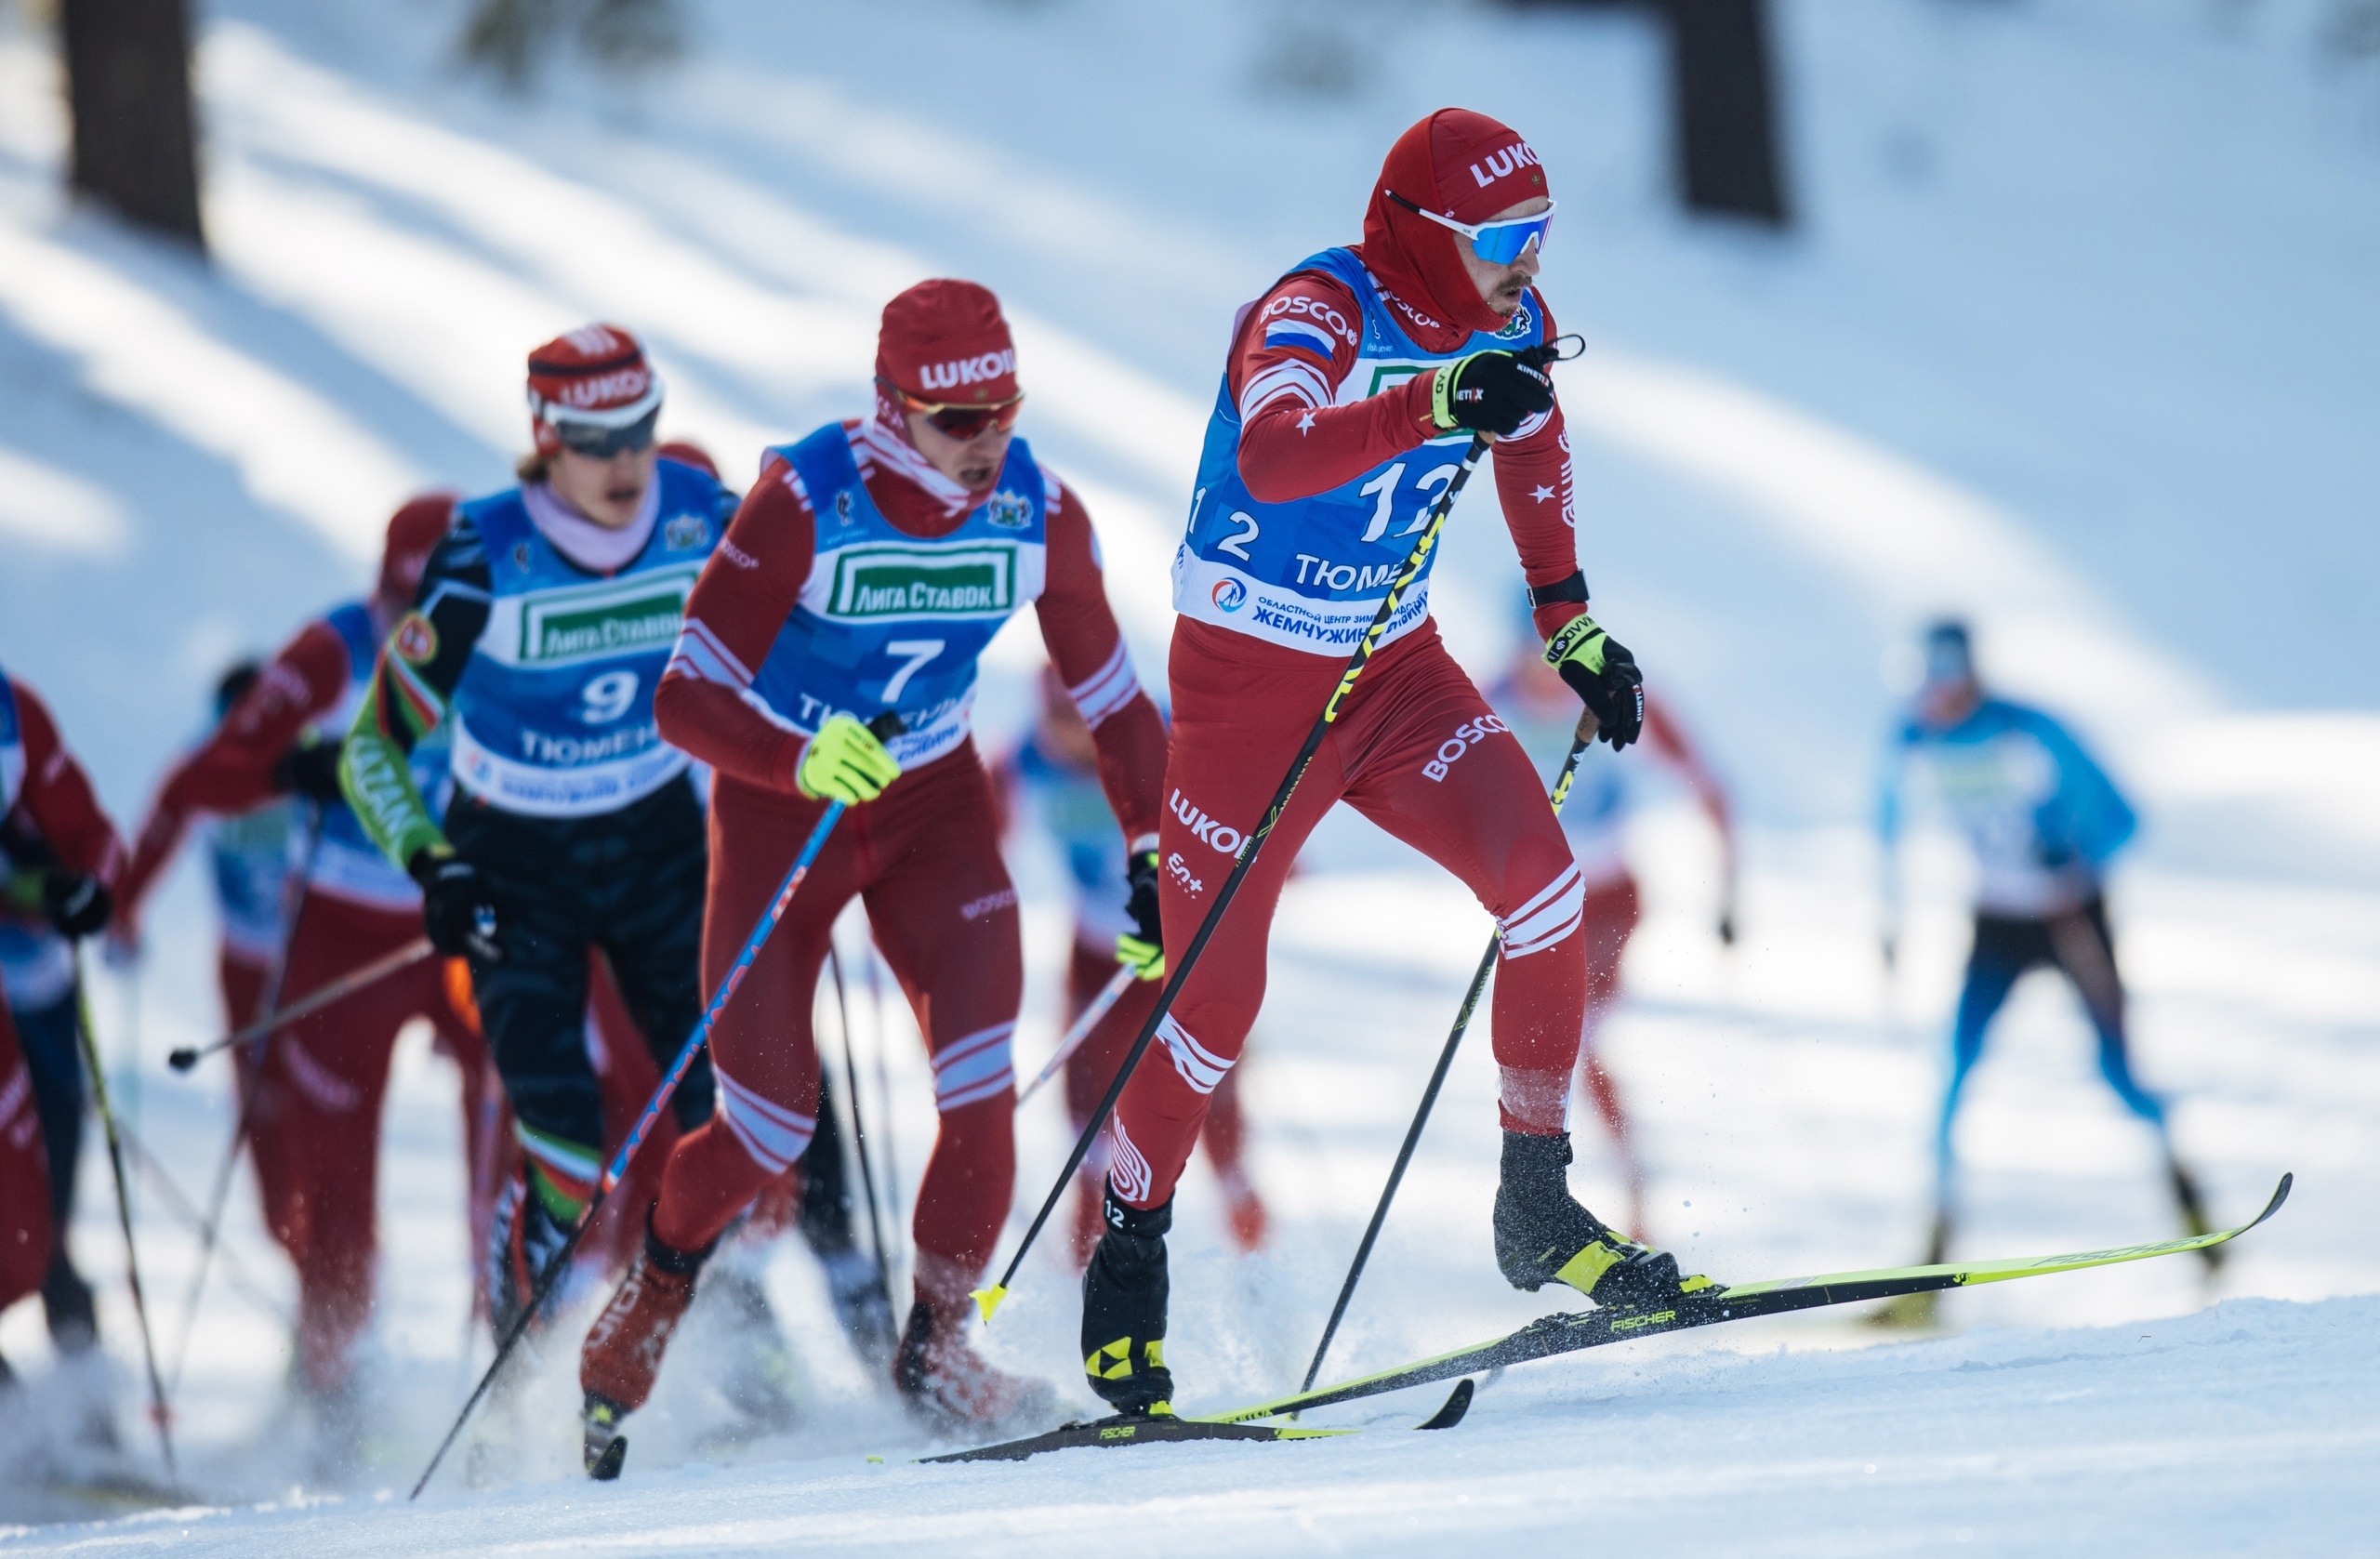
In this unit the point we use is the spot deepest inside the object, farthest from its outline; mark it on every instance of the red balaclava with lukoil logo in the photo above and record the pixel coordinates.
(945, 342)
(1460, 165)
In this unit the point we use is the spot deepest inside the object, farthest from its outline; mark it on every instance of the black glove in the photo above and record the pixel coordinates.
(310, 769)
(1604, 675)
(1490, 392)
(78, 903)
(1144, 946)
(457, 909)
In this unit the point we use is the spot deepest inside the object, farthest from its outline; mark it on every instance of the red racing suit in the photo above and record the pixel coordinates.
(924, 858)
(1415, 748)
(24, 1175)
(314, 1094)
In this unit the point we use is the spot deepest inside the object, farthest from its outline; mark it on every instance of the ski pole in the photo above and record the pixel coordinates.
(124, 1216)
(988, 1299)
(312, 1002)
(292, 904)
(884, 1096)
(185, 1212)
(1582, 739)
(859, 1129)
(1108, 997)
(883, 726)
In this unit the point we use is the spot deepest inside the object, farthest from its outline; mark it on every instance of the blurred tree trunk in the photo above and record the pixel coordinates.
(127, 71)
(1724, 138)
(1722, 97)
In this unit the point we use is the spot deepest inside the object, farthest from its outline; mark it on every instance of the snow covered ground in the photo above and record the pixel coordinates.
(2079, 337)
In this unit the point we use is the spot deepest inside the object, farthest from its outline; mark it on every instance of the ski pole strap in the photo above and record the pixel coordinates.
(1101, 1004)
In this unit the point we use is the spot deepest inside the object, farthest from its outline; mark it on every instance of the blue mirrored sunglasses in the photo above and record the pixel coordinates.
(1497, 243)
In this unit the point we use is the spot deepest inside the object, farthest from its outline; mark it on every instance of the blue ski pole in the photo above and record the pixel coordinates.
(883, 726)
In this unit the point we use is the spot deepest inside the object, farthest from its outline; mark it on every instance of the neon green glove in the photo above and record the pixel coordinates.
(1143, 946)
(1604, 675)
(844, 762)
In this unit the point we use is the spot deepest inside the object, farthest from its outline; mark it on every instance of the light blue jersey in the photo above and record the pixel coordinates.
(249, 859)
(553, 716)
(1310, 575)
(2042, 818)
(1072, 804)
(889, 621)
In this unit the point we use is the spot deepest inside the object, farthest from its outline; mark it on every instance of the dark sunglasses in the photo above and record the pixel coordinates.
(600, 443)
(954, 420)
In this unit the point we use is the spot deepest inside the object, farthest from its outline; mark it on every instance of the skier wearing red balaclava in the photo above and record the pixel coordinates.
(1351, 391)
(866, 572)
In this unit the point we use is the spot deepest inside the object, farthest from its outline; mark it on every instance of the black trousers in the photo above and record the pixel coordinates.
(630, 883)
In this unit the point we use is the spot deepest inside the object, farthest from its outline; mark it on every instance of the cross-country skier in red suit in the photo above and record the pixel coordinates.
(55, 839)
(1055, 774)
(1350, 393)
(314, 1119)
(865, 572)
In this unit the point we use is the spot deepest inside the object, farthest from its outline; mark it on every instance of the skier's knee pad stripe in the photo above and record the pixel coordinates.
(1553, 913)
(773, 1135)
(975, 1067)
(1200, 1067)
(1127, 1170)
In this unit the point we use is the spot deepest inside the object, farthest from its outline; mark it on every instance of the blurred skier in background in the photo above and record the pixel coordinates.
(306, 899)
(59, 857)
(541, 624)
(1054, 774)
(2043, 822)
(1544, 713)
(1351, 393)
(866, 572)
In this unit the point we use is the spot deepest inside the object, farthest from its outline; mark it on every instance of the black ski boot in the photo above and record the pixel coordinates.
(523, 1236)
(1123, 1311)
(1543, 1235)
(603, 1448)
(68, 1307)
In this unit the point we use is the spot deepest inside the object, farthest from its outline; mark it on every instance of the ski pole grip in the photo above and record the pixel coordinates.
(886, 726)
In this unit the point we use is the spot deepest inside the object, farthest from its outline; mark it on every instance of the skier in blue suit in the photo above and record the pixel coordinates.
(2043, 822)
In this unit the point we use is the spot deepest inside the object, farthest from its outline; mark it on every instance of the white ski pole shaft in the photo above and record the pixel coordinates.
(1109, 995)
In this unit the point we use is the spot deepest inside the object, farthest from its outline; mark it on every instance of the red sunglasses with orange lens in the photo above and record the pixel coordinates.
(956, 420)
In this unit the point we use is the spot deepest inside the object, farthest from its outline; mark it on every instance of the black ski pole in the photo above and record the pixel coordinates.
(883, 1033)
(124, 1216)
(185, 1212)
(859, 1134)
(884, 727)
(219, 1194)
(988, 1299)
(1583, 739)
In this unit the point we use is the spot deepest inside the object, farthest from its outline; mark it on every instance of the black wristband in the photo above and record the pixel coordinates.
(1572, 588)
